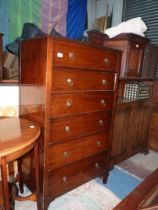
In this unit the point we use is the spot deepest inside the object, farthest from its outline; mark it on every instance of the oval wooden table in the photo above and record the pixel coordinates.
(18, 136)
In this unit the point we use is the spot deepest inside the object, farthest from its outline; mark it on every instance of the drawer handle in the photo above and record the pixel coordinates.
(102, 101)
(106, 61)
(98, 143)
(69, 103)
(70, 82)
(104, 81)
(65, 179)
(97, 165)
(67, 129)
(101, 122)
(66, 154)
(137, 45)
(71, 56)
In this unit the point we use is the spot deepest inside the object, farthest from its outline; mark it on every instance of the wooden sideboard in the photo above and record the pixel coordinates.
(133, 115)
(69, 88)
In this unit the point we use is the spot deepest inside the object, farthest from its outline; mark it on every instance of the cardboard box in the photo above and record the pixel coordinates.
(10, 66)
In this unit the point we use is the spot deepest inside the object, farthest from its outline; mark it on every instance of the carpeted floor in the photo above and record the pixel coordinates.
(141, 165)
(94, 195)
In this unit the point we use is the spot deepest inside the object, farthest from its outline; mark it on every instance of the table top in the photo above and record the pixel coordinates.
(16, 134)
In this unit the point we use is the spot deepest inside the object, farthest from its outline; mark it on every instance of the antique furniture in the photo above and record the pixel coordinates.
(135, 89)
(143, 197)
(153, 142)
(17, 137)
(132, 46)
(69, 88)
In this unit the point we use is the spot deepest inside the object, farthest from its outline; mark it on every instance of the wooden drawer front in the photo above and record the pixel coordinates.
(67, 80)
(71, 176)
(67, 104)
(83, 56)
(66, 153)
(71, 127)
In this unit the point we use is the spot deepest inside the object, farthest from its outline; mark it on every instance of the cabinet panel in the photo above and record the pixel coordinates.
(153, 142)
(131, 130)
(120, 144)
(135, 59)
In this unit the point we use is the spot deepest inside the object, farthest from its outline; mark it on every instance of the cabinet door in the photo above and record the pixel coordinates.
(136, 52)
(140, 121)
(153, 142)
(120, 132)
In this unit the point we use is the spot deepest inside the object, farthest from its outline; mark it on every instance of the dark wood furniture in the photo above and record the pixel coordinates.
(132, 117)
(131, 130)
(70, 89)
(21, 138)
(153, 141)
(132, 46)
(143, 197)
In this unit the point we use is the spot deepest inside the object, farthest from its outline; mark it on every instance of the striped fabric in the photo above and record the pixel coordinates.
(68, 17)
(53, 14)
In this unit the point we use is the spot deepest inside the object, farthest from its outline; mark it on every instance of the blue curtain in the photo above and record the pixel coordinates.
(76, 18)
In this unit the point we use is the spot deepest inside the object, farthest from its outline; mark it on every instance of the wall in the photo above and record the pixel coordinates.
(9, 101)
(97, 8)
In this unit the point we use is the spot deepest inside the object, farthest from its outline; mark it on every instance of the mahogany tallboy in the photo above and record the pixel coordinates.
(69, 88)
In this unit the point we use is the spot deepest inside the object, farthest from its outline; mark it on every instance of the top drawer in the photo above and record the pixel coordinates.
(71, 54)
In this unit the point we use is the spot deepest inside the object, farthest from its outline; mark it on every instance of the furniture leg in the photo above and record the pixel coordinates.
(5, 183)
(36, 154)
(21, 186)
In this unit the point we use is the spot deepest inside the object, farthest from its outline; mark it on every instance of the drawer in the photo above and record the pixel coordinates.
(77, 103)
(67, 80)
(64, 129)
(63, 154)
(73, 175)
(78, 55)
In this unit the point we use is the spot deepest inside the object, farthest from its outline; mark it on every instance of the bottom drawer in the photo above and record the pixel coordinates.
(74, 175)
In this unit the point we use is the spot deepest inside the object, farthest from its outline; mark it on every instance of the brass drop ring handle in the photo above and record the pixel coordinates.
(97, 165)
(69, 103)
(101, 122)
(66, 154)
(67, 129)
(103, 103)
(106, 61)
(98, 143)
(69, 82)
(104, 81)
(64, 178)
(71, 56)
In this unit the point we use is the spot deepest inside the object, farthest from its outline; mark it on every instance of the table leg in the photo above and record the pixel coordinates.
(5, 183)
(36, 153)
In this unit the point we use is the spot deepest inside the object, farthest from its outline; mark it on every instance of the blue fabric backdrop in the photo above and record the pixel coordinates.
(76, 18)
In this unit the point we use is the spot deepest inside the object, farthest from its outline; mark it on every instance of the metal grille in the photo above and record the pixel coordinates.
(148, 10)
(137, 91)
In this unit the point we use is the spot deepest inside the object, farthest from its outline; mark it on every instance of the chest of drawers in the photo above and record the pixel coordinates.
(70, 89)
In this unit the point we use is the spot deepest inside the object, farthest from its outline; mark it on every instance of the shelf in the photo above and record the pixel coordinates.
(136, 79)
(9, 82)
